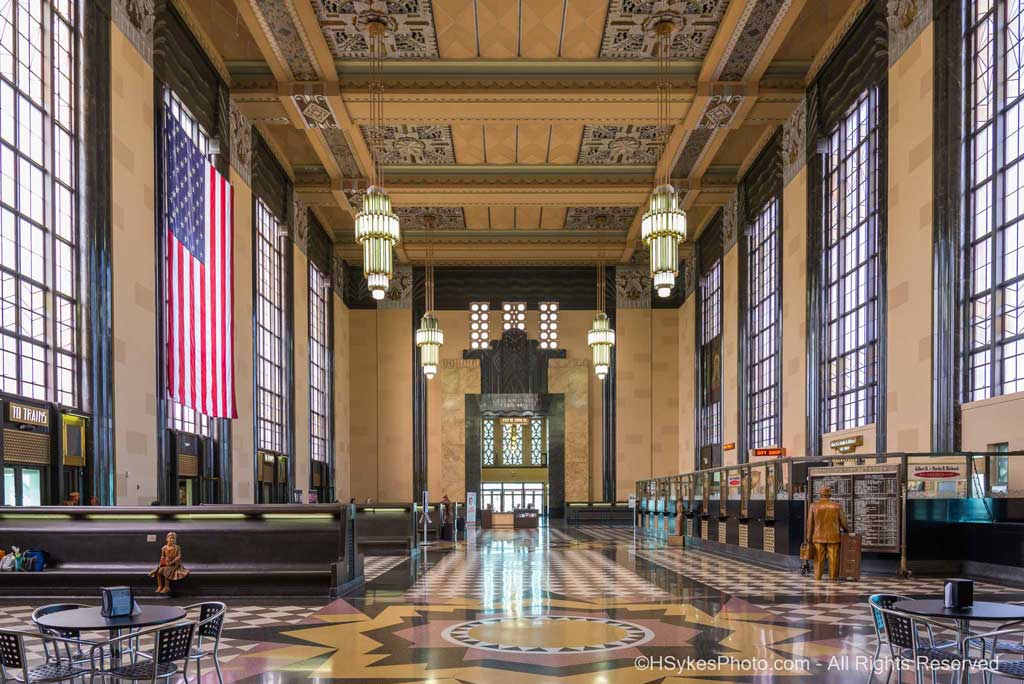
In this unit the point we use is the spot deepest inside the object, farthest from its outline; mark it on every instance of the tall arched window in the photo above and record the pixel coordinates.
(270, 390)
(319, 365)
(764, 348)
(850, 267)
(40, 278)
(994, 204)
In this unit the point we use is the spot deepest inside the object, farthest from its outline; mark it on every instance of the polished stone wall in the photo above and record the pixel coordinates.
(570, 378)
(459, 377)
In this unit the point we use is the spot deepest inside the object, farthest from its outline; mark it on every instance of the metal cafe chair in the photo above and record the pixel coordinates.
(74, 634)
(171, 645)
(208, 631)
(14, 658)
(907, 640)
(993, 643)
(877, 602)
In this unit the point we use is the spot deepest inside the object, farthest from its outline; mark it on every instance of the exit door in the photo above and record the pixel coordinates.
(23, 486)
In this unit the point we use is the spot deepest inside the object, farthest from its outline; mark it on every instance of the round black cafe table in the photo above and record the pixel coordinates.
(90, 619)
(982, 611)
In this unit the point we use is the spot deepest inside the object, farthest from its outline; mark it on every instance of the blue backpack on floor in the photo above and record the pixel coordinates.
(34, 560)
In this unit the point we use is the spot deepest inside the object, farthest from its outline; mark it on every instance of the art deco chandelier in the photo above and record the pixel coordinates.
(664, 225)
(377, 228)
(429, 337)
(601, 337)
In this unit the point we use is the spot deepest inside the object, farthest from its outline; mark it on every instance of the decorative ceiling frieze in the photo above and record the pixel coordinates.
(411, 32)
(599, 218)
(906, 20)
(286, 37)
(759, 22)
(415, 145)
(341, 151)
(629, 27)
(316, 111)
(444, 218)
(794, 142)
(621, 144)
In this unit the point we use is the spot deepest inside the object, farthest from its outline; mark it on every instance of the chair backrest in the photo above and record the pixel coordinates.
(899, 629)
(885, 602)
(211, 619)
(173, 643)
(56, 608)
(12, 650)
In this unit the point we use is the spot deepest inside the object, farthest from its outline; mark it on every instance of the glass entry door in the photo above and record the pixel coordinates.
(506, 497)
(23, 486)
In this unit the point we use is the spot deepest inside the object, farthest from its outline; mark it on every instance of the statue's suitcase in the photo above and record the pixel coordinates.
(849, 556)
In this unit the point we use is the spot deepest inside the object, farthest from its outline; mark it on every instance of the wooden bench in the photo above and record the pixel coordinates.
(228, 550)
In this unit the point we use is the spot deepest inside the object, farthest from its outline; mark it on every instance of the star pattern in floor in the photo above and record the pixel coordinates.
(577, 605)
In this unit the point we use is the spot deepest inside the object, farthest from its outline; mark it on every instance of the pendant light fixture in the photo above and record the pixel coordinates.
(429, 337)
(664, 225)
(377, 228)
(601, 337)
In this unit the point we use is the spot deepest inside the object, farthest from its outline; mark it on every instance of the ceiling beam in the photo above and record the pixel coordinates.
(533, 105)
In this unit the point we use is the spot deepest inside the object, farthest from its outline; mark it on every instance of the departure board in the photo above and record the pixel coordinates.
(870, 497)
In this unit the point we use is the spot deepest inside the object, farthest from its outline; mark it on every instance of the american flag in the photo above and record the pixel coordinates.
(200, 291)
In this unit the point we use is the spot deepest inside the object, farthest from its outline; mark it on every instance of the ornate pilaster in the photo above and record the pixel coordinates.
(241, 144)
(339, 273)
(730, 223)
(135, 19)
(906, 20)
(794, 142)
(632, 287)
(300, 224)
(399, 294)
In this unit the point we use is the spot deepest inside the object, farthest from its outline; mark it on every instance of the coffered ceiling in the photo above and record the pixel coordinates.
(517, 131)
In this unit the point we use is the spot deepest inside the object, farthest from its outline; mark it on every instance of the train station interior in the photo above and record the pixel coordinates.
(526, 341)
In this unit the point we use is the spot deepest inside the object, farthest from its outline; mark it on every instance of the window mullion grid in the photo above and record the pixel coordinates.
(49, 245)
(974, 133)
(871, 225)
(999, 189)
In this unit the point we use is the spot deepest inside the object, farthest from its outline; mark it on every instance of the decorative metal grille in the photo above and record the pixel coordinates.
(512, 444)
(536, 441)
(488, 448)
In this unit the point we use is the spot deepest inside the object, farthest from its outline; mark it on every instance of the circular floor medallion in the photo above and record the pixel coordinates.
(547, 634)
